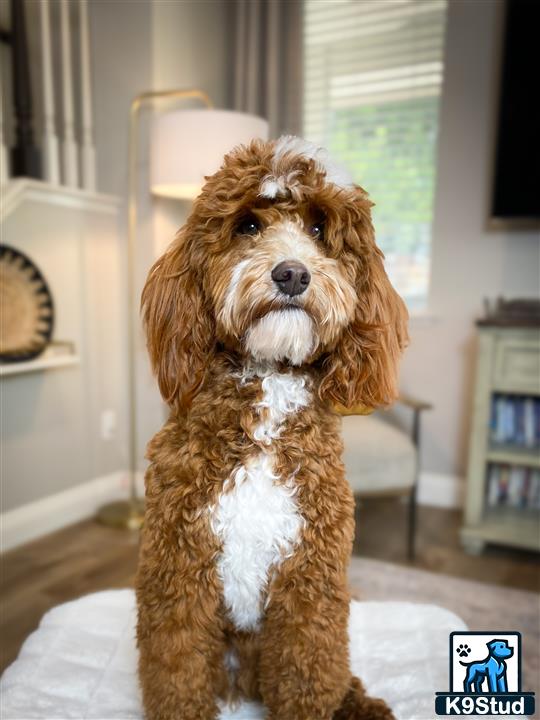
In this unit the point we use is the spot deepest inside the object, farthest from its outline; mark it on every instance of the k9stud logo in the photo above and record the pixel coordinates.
(485, 676)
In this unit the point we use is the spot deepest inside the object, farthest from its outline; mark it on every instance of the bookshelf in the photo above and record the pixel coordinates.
(503, 478)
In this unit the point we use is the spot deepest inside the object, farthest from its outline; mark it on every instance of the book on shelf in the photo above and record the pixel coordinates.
(513, 486)
(515, 420)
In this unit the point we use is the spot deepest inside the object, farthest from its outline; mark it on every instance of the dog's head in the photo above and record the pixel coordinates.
(500, 649)
(277, 262)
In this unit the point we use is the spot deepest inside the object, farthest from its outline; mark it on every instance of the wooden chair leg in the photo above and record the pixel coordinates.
(411, 529)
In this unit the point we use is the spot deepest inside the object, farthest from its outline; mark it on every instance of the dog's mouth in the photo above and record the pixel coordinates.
(276, 305)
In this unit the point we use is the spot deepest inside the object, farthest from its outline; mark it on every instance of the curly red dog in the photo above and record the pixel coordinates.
(271, 306)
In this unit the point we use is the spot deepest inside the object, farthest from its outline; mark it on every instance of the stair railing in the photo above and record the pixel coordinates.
(65, 151)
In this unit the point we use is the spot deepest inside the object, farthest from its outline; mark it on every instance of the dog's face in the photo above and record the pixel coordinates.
(277, 263)
(281, 293)
(500, 649)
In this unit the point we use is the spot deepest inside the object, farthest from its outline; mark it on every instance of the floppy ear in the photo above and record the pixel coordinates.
(363, 367)
(179, 326)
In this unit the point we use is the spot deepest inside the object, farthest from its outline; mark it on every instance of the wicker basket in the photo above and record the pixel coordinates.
(26, 307)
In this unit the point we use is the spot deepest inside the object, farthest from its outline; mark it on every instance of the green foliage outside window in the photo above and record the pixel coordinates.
(390, 150)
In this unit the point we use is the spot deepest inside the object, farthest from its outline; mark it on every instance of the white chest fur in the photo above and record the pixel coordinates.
(256, 517)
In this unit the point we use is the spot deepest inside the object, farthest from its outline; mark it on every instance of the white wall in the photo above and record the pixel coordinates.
(469, 262)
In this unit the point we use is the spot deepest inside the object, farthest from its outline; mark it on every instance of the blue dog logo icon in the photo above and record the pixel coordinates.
(492, 668)
(485, 676)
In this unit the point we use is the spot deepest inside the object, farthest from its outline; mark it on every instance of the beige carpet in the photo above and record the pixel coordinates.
(482, 606)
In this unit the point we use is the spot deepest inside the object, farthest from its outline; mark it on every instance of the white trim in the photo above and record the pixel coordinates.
(38, 518)
(70, 169)
(87, 148)
(15, 191)
(439, 490)
(51, 155)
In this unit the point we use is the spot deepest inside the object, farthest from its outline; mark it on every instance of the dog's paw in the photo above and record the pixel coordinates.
(463, 650)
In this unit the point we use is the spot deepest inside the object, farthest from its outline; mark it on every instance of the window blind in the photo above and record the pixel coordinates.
(373, 72)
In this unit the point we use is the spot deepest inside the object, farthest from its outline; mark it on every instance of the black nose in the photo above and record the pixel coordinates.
(291, 277)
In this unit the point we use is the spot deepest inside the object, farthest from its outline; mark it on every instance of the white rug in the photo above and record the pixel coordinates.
(81, 661)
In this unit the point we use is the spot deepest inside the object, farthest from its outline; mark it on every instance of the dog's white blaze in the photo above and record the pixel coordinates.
(257, 517)
(275, 185)
(289, 242)
(272, 187)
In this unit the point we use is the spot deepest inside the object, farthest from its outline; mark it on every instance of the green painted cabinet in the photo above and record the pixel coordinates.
(508, 364)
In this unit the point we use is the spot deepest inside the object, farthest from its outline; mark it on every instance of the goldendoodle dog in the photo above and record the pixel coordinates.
(270, 308)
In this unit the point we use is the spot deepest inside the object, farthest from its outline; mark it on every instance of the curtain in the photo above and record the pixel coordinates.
(265, 54)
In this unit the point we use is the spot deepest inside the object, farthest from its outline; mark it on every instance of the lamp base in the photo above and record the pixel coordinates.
(124, 514)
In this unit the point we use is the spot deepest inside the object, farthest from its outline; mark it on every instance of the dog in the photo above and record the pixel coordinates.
(493, 668)
(271, 306)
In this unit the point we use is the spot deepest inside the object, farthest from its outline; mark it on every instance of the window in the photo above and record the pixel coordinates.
(373, 73)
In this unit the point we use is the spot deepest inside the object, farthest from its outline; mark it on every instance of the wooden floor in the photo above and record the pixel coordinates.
(381, 533)
(88, 557)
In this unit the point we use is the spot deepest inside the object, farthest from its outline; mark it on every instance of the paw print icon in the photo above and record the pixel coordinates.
(463, 650)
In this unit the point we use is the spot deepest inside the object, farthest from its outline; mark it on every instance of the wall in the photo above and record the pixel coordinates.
(469, 262)
(120, 35)
(52, 438)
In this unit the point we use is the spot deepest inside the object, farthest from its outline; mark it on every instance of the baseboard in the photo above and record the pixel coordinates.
(441, 490)
(31, 521)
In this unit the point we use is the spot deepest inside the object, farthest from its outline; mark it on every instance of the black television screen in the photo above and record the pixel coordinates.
(516, 193)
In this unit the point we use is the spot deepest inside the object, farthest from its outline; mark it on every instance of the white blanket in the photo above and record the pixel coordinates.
(81, 661)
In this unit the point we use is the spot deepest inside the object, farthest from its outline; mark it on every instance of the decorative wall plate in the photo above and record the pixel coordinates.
(26, 307)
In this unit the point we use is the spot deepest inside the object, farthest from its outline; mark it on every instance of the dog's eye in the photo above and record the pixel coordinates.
(317, 231)
(248, 226)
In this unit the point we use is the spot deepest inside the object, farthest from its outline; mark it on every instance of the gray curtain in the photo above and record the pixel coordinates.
(265, 54)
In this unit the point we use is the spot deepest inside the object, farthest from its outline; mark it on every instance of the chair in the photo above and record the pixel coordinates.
(382, 460)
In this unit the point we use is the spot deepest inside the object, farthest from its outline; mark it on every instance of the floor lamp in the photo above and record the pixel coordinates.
(185, 146)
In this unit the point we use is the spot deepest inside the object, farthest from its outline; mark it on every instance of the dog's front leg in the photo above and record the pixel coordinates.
(179, 627)
(179, 663)
(304, 663)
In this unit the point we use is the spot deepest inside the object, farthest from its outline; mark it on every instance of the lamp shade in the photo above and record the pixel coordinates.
(189, 144)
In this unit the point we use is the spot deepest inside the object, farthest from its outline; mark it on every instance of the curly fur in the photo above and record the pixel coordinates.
(242, 579)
